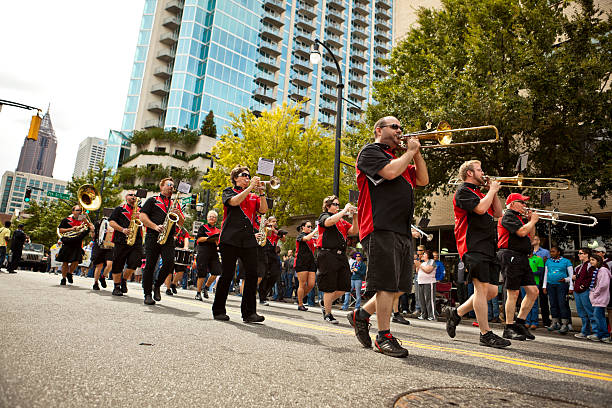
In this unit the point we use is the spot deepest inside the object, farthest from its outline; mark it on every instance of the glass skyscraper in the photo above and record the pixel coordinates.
(226, 55)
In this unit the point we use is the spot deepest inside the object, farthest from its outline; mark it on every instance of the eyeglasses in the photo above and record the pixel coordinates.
(130, 195)
(77, 210)
(307, 226)
(244, 175)
(420, 250)
(336, 204)
(581, 253)
(394, 126)
(169, 184)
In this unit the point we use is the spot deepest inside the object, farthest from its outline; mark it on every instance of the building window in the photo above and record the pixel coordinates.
(160, 149)
(179, 153)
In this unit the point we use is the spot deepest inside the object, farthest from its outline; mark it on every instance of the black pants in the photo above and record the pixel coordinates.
(273, 272)
(16, 257)
(152, 252)
(229, 256)
(544, 309)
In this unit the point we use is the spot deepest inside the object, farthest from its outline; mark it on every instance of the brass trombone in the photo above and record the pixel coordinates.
(422, 233)
(444, 137)
(555, 215)
(519, 181)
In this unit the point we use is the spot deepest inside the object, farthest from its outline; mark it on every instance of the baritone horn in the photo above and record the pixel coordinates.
(443, 135)
(555, 217)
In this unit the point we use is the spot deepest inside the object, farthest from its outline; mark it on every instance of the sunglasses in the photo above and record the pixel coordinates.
(307, 226)
(244, 175)
(336, 204)
(394, 126)
(130, 195)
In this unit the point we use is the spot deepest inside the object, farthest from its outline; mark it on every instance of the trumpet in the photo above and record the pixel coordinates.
(443, 135)
(274, 183)
(555, 217)
(422, 233)
(352, 210)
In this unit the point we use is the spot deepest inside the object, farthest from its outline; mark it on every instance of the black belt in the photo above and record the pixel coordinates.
(338, 251)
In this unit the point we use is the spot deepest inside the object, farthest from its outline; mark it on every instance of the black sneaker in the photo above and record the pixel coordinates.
(322, 307)
(223, 317)
(362, 328)
(493, 340)
(63, 282)
(103, 281)
(254, 318)
(169, 292)
(390, 346)
(173, 287)
(511, 332)
(520, 329)
(117, 291)
(148, 300)
(330, 319)
(156, 294)
(69, 277)
(205, 292)
(452, 321)
(302, 308)
(95, 286)
(124, 288)
(198, 296)
(398, 318)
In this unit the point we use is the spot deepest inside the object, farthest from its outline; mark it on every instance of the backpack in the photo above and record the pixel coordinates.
(440, 272)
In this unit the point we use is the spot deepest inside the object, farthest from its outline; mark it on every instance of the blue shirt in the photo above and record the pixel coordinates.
(557, 269)
(543, 253)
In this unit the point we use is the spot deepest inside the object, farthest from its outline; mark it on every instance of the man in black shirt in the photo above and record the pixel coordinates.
(237, 241)
(207, 259)
(19, 238)
(153, 214)
(475, 236)
(514, 245)
(122, 252)
(386, 204)
(71, 252)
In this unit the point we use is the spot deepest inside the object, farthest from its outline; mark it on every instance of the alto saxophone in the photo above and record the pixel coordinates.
(263, 232)
(171, 219)
(135, 224)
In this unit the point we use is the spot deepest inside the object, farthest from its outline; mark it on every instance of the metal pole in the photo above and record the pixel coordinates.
(101, 191)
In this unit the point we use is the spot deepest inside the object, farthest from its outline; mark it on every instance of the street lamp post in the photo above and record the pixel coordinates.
(315, 58)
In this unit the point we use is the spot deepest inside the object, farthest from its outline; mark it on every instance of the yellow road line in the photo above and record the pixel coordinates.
(503, 359)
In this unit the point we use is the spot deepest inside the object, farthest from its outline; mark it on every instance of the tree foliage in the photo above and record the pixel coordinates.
(208, 126)
(537, 70)
(148, 177)
(303, 158)
(187, 138)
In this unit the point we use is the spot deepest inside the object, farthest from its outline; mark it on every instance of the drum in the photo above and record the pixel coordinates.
(182, 257)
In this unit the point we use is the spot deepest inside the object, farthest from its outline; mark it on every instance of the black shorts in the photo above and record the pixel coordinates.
(305, 264)
(207, 261)
(483, 267)
(101, 255)
(334, 272)
(124, 253)
(70, 253)
(515, 269)
(389, 261)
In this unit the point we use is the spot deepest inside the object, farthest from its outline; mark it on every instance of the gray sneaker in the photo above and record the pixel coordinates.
(580, 335)
(593, 337)
(564, 329)
(606, 340)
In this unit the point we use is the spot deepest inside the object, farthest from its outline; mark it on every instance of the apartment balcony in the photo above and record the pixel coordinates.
(270, 47)
(330, 79)
(172, 23)
(276, 5)
(382, 35)
(298, 94)
(358, 68)
(166, 55)
(327, 121)
(358, 43)
(303, 36)
(306, 9)
(386, 4)
(329, 92)
(328, 107)
(265, 95)
(174, 6)
(156, 107)
(168, 38)
(272, 32)
(307, 24)
(380, 70)
(163, 73)
(333, 40)
(357, 93)
(358, 55)
(380, 56)
(359, 31)
(273, 18)
(335, 15)
(311, 2)
(358, 81)
(382, 46)
(339, 4)
(383, 14)
(354, 109)
(266, 78)
(334, 28)
(360, 20)
(302, 51)
(260, 107)
(300, 79)
(301, 64)
(160, 89)
(151, 123)
(361, 7)
(270, 64)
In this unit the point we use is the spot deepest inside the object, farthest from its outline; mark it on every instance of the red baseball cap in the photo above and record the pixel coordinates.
(516, 197)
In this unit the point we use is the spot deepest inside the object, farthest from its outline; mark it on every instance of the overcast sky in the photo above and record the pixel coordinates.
(74, 54)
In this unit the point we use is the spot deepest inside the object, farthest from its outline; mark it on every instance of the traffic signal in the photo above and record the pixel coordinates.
(28, 193)
(194, 201)
(34, 127)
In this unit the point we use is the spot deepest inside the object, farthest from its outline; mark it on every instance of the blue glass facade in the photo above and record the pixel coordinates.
(230, 55)
(117, 149)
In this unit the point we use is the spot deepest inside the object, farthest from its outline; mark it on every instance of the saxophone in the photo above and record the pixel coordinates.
(135, 224)
(263, 232)
(171, 219)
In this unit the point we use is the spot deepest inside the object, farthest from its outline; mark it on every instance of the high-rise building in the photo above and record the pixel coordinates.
(118, 149)
(90, 154)
(201, 55)
(38, 156)
(13, 187)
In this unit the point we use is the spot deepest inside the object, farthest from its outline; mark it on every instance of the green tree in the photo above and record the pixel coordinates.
(208, 126)
(537, 70)
(42, 223)
(303, 158)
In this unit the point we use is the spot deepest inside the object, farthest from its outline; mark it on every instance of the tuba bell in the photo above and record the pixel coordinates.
(90, 200)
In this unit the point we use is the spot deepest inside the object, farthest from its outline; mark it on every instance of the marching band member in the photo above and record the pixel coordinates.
(121, 222)
(181, 241)
(153, 214)
(271, 259)
(304, 263)
(237, 241)
(101, 258)
(71, 252)
(207, 242)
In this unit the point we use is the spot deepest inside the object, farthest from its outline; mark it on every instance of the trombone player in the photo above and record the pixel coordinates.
(72, 230)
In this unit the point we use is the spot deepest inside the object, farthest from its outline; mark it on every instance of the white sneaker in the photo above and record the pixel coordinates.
(593, 337)
(580, 335)
(420, 317)
(606, 340)
(431, 319)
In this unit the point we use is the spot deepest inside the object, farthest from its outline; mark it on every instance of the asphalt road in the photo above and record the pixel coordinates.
(73, 347)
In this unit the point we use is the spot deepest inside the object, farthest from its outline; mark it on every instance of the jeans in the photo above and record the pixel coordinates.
(544, 310)
(311, 298)
(559, 306)
(532, 317)
(586, 313)
(355, 286)
(493, 308)
(2, 255)
(602, 324)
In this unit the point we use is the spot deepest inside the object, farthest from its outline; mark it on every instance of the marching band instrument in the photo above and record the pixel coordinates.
(555, 216)
(90, 200)
(263, 231)
(274, 182)
(135, 224)
(443, 135)
(105, 235)
(519, 181)
(171, 219)
(422, 233)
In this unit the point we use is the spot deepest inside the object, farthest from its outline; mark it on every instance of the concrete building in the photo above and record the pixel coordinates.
(196, 56)
(90, 154)
(38, 156)
(14, 183)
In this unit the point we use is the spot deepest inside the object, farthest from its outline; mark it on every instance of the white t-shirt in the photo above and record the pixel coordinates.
(424, 277)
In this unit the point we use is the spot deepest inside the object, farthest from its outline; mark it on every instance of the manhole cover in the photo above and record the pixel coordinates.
(475, 398)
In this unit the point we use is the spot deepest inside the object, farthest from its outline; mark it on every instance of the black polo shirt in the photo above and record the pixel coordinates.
(473, 232)
(156, 208)
(383, 204)
(122, 216)
(304, 250)
(333, 237)
(239, 221)
(207, 230)
(506, 233)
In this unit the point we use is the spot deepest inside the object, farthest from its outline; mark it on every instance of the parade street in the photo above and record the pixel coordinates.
(73, 347)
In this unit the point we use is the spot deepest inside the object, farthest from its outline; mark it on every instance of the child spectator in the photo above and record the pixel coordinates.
(600, 296)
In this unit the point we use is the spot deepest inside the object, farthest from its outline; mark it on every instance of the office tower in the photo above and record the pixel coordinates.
(118, 149)
(90, 154)
(38, 156)
(13, 187)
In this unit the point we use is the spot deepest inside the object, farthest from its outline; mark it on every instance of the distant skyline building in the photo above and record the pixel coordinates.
(196, 56)
(38, 156)
(14, 183)
(90, 154)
